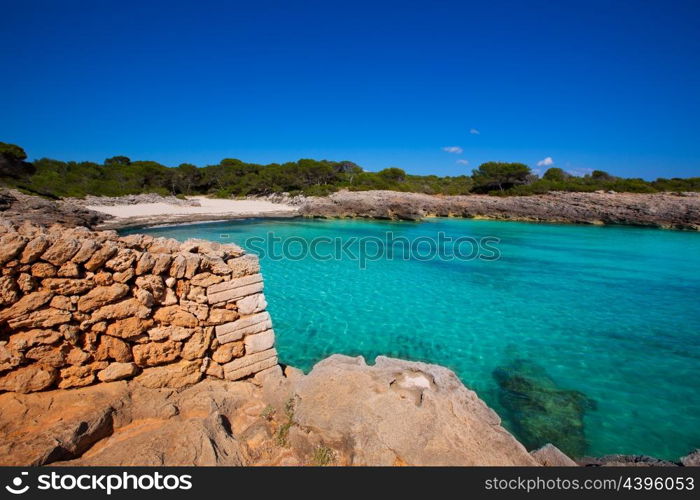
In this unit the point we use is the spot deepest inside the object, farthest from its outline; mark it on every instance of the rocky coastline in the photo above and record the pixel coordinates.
(146, 351)
(17, 207)
(343, 412)
(660, 210)
(137, 350)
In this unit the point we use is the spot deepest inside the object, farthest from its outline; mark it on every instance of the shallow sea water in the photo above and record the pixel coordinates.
(611, 312)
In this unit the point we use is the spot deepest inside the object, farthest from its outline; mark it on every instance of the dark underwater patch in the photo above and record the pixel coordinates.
(539, 411)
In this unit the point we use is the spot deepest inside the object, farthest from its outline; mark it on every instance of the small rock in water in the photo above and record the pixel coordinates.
(692, 459)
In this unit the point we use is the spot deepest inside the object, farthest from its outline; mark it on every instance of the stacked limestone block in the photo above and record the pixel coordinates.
(79, 307)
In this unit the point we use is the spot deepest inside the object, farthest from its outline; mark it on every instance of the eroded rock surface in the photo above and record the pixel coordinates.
(343, 413)
(398, 413)
(42, 428)
(551, 456)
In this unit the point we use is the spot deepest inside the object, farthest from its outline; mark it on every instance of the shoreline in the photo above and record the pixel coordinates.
(679, 211)
(166, 211)
(136, 223)
(663, 211)
(185, 220)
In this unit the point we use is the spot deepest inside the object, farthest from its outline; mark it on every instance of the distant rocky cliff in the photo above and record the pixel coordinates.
(673, 211)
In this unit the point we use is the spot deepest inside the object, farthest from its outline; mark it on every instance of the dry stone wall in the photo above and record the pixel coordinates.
(79, 307)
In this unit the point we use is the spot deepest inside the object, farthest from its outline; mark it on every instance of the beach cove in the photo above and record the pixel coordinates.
(603, 319)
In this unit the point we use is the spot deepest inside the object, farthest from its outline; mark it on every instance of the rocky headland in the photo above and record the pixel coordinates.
(663, 210)
(343, 412)
(17, 207)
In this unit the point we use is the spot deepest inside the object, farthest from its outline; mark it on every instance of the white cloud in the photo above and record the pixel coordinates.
(546, 162)
(474, 131)
(463, 162)
(453, 149)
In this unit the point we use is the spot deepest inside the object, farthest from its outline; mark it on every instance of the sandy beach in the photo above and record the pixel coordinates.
(149, 214)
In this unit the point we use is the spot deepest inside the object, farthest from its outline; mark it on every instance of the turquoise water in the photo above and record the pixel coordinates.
(612, 312)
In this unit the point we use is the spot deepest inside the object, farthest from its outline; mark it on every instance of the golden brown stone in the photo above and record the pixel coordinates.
(220, 316)
(123, 276)
(103, 278)
(27, 283)
(9, 292)
(156, 353)
(11, 245)
(87, 249)
(197, 345)
(101, 256)
(31, 378)
(26, 304)
(34, 249)
(226, 352)
(43, 270)
(175, 315)
(129, 328)
(68, 286)
(206, 279)
(62, 302)
(175, 375)
(43, 318)
(123, 309)
(49, 355)
(113, 348)
(122, 261)
(61, 251)
(80, 376)
(102, 295)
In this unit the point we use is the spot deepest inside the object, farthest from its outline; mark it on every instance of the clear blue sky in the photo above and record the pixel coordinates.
(611, 85)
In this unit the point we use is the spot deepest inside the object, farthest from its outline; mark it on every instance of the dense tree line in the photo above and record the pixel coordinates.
(120, 175)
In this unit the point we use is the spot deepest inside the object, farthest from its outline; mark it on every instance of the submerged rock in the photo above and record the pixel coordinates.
(540, 411)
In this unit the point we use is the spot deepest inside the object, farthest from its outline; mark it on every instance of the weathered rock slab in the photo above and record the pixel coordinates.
(551, 456)
(41, 428)
(398, 412)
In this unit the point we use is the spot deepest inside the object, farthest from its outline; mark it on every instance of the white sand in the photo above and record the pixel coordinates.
(209, 207)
